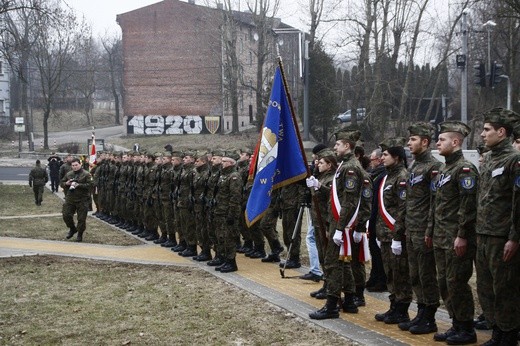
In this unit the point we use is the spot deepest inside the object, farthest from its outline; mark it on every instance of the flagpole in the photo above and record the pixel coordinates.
(315, 201)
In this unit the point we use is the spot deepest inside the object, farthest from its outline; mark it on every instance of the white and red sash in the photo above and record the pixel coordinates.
(387, 218)
(345, 251)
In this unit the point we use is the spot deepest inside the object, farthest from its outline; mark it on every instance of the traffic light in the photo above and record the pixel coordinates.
(480, 74)
(495, 74)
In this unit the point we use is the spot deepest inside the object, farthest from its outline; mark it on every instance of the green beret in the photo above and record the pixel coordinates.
(246, 150)
(502, 116)
(232, 154)
(150, 155)
(158, 154)
(176, 154)
(422, 129)
(218, 152)
(189, 153)
(392, 142)
(167, 154)
(349, 135)
(326, 152)
(454, 126)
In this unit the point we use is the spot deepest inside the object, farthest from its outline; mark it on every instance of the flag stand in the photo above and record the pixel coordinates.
(305, 206)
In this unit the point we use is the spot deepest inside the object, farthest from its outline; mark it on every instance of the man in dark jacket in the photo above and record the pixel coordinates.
(54, 171)
(37, 180)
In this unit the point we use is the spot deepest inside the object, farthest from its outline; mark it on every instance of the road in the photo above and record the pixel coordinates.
(14, 173)
(83, 134)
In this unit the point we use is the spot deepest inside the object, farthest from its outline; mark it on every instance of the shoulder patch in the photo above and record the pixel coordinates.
(466, 169)
(350, 172)
(517, 182)
(367, 192)
(350, 184)
(434, 173)
(402, 183)
(402, 194)
(467, 183)
(366, 182)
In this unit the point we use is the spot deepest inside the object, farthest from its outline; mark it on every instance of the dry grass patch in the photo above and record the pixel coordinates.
(53, 300)
(32, 221)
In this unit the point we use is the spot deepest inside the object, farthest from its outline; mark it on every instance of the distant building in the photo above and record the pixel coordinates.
(5, 114)
(173, 60)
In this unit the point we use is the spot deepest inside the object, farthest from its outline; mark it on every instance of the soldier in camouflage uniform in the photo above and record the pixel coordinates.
(122, 191)
(421, 260)
(37, 180)
(100, 178)
(213, 179)
(66, 166)
(176, 181)
(185, 204)
(77, 184)
(267, 226)
(498, 228)
(243, 169)
(200, 190)
(138, 193)
(150, 219)
(165, 214)
(227, 210)
(157, 205)
(347, 192)
(391, 231)
(453, 229)
(95, 181)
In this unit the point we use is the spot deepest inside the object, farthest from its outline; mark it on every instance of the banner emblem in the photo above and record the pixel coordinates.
(212, 124)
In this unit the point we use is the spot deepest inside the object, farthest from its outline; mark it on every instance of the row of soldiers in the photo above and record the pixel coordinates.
(185, 200)
(434, 223)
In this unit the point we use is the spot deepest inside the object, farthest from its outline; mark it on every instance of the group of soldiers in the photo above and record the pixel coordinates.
(433, 222)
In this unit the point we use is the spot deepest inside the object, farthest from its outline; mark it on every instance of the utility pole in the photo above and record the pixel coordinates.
(464, 79)
(306, 92)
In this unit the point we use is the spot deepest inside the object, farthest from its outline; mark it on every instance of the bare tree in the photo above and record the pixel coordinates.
(53, 52)
(114, 61)
(84, 81)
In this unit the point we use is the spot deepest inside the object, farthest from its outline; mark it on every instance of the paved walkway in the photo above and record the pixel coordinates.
(261, 279)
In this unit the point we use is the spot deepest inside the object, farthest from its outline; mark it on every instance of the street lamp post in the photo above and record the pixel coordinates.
(489, 26)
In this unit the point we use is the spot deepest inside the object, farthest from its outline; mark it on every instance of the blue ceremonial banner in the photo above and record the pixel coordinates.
(279, 159)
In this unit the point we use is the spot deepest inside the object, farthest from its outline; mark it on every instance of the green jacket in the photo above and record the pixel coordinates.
(82, 191)
(38, 176)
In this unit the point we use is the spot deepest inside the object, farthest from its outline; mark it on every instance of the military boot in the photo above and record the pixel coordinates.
(450, 332)
(406, 325)
(349, 305)
(180, 247)
(229, 266)
(330, 310)
(399, 315)
(248, 245)
(205, 255)
(322, 289)
(509, 338)
(259, 252)
(79, 238)
(170, 243)
(426, 324)
(217, 261)
(496, 338)
(153, 235)
(359, 297)
(162, 239)
(292, 263)
(271, 258)
(190, 251)
(465, 335)
(144, 234)
(381, 317)
(71, 233)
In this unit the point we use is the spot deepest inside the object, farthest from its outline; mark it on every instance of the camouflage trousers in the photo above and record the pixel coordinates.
(358, 267)
(187, 221)
(397, 274)
(243, 229)
(423, 274)
(168, 216)
(68, 211)
(338, 273)
(159, 215)
(226, 235)
(453, 274)
(38, 193)
(289, 218)
(498, 283)
(268, 226)
(202, 232)
(150, 219)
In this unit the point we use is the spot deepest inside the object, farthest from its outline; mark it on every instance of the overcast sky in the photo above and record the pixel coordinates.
(102, 13)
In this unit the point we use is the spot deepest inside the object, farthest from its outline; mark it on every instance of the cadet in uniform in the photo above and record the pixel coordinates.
(200, 189)
(391, 231)
(37, 180)
(346, 199)
(454, 213)
(498, 228)
(421, 259)
(76, 184)
(227, 210)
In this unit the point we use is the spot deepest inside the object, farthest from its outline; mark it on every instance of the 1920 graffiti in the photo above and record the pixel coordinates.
(172, 124)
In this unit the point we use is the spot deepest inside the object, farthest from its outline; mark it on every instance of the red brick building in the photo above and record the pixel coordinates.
(172, 58)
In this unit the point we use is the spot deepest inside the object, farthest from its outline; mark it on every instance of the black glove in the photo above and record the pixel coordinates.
(230, 221)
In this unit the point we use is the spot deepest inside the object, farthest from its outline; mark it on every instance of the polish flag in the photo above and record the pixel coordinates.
(93, 150)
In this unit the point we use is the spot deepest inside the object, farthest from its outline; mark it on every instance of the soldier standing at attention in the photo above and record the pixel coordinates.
(227, 210)
(185, 205)
(200, 189)
(37, 180)
(391, 231)
(76, 184)
(421, 259)
(454, 211)
(498, 228)
(346, 198)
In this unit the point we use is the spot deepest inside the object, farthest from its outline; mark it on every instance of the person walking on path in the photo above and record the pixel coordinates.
(76, 184)
(37, 180)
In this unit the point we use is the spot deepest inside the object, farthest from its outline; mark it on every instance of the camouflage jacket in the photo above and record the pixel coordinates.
(82, 191)
(186, 181)
(394, 202)
(322, 198)
(38, 176)
(499, 193)
(455, 203)
(213, 179)
(166, 182)
(200, 187)
(229, 194)
(292, 195)
(420, 191)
